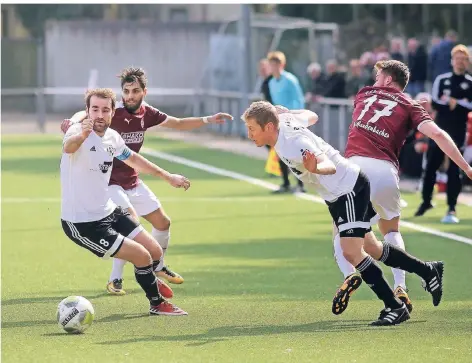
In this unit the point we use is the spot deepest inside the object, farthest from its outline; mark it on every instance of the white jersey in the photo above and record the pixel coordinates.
(294, 139)
(85, 175)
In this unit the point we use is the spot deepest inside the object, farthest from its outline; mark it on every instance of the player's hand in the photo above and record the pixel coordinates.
(452, 103)
(309, 161)
(179, 181)
(219, 118)
(65, 124)
(281, 109)
(87, 127)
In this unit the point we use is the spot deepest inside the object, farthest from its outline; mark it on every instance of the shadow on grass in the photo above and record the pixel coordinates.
(227, 332)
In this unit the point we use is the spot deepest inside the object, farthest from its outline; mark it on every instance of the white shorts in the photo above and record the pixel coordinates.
(384, 185)
(141, 198)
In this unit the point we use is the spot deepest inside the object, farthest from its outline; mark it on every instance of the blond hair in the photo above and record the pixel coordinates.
(105, 93)
(460, 48)
(277, 56)
(263, 113)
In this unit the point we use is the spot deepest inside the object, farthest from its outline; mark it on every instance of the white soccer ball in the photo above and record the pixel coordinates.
(75, 314)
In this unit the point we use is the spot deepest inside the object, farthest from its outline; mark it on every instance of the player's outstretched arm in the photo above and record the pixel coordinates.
(446, 144)
(190, 123)
(143, 165)
(74, 142)
(304, 117)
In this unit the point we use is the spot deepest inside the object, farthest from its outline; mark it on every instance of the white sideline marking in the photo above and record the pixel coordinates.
(243, 199)
(264, 184)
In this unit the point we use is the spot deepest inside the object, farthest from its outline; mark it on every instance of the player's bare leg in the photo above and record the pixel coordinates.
(352, 279)
(115, 283)
(142, 260)
(160, 222)
(430, 272)
(395, 311)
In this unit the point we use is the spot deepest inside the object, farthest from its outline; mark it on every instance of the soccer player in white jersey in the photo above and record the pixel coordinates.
(132, 119)
(346, 191)
(89, 217)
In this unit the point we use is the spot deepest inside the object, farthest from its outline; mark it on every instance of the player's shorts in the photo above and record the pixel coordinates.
(353, 212)
(384, 185)
(141, 198)
(105, 237)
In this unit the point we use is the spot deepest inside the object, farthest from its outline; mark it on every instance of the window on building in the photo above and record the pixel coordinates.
(178, 15)
(4, 23)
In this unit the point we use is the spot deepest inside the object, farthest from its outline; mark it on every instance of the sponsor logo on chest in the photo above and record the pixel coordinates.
(133, 137)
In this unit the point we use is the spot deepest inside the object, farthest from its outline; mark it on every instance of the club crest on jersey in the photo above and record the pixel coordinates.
(142, 123)
(464, 85)
(111, 150)
(105, 166)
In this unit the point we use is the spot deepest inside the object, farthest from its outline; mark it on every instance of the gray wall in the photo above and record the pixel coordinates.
(172, 54)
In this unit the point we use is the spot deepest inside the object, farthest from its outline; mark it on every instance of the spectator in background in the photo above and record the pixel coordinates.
(355, 79)
(452, 100)
(396, 50)
(335, 84)
(317, 83)
(418, 64)
(286, 91)
(368, 61)
(440, 56)
(265, 74)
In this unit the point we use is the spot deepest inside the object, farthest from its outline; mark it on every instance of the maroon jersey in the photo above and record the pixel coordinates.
(131, 127)
(381, 120)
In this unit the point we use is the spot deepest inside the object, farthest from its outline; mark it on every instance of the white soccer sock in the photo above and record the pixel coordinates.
(395, 239)
(344, 265)
(162, 237)
(117, 269)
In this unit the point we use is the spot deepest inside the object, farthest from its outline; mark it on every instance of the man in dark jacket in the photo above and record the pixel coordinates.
(452, 99)
(418, 64)
(440, 57)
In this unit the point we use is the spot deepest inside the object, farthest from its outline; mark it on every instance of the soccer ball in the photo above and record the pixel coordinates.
(75, 314)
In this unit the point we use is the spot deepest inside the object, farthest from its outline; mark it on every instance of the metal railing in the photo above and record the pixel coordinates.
(333, 125)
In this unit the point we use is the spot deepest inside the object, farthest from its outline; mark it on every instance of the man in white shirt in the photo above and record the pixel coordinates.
(89, 217)
(342, 185)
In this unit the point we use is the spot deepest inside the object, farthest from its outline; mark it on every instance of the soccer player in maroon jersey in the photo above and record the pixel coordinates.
(383, 116)
(132, 118)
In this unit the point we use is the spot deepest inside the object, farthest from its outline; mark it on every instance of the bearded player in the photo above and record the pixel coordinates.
(383, 115)
(131, 120)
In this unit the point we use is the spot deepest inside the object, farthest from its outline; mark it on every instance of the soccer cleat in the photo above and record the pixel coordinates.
(115, 287)
(401, 293)
(450, 218)
(164, 289)
(170, 276)
(282, 189)
(423, 208)
(341, 299)
(166, 308)
(299, 189)
(390, 316)
(434, 284)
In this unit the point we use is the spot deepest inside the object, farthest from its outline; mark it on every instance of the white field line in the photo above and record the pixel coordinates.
(243, 199)
(231, 174)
